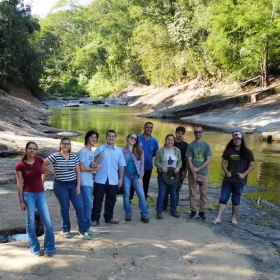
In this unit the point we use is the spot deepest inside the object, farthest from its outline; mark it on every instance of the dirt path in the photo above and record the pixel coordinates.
(163, 249)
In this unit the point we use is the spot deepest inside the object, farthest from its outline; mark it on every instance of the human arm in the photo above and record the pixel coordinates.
(184, 173)
(78, 174)
(224, 165)
(20, 189)
(121, 172)
(251, 167)
(158, 161)
(208, 160)
(179, 160)
(46, 169)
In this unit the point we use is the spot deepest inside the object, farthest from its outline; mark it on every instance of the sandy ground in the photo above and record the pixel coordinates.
(163, 249)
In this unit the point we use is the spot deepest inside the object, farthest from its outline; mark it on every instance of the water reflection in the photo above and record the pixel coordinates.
(126, 119)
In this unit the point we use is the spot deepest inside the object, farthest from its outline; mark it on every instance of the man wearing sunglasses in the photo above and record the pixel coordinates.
(199, 156)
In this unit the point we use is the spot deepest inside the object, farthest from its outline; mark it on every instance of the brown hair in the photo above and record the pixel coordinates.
(136, 150)
(24, 157)
(63, 139)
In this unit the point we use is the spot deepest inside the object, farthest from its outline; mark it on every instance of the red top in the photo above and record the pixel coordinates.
(32, 175)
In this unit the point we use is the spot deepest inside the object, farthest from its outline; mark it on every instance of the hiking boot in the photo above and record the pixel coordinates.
(145, 219)
(202, 216)
(193, 215)
(128, 218)
(175, 214)
(39, 254)
(95, 224)
(159, 216)
(112, 221)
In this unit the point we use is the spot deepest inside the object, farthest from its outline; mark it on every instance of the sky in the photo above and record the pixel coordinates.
(42, 7)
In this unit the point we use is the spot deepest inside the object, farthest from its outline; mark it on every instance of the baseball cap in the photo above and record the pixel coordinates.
(237, 135)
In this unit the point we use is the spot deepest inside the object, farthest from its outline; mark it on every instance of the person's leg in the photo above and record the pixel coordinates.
(162, 186)
(141, 196)
(166, 198)
(173, 198)
(29, 202)
(236, 194)
(225, 194)
(98, 194)
(78, 204)
(192, 192)
(203, 193)
(146, 181)
(110, 200)
(131, 193)
(126, 194)
(178, 188)
(62, 194)
(88, 203)
(43, 210)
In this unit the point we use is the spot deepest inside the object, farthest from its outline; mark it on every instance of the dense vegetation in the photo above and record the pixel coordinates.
(100, 48)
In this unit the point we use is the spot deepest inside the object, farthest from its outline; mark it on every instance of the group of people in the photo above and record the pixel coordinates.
(131, 169)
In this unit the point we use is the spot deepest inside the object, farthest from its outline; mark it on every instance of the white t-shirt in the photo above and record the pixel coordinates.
(169, 158)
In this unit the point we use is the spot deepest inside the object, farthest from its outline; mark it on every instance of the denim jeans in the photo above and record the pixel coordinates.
(33, 201)
(228, 188)
(66, 192)
(162, 187)
(178, 188)
(111, 194)
(87, 192)
(128, 180)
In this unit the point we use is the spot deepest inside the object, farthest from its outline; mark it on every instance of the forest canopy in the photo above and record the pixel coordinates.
(100, 48)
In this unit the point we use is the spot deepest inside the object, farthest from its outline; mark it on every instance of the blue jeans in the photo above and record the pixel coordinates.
(38, 201)
(128, 180)
(66, 192)
(111, 194)
(228, 188)
(87, 192)
(162, 187)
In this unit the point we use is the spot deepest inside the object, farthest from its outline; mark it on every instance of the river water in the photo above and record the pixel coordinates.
(124, 119)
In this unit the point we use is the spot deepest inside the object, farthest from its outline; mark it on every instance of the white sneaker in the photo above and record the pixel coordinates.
(93, 230)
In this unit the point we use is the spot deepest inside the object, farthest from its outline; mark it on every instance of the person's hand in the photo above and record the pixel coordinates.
(176, 170)
(241, 175)
(54, 176)
(78, 190)
(140, 183)
(183, 175)
(195, 169)
(22, 206)
(164, 169)
(228, 174)
(120, 183)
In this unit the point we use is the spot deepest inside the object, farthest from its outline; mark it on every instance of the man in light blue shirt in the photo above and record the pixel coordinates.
(108, 178)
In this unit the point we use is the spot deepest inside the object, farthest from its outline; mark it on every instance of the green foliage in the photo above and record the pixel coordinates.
(19, 60)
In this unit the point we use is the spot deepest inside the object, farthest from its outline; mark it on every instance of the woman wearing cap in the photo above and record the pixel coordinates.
(133, 175)
(238, 161)
(168, 162)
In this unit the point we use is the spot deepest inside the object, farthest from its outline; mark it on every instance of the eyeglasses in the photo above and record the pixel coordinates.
(133, 138)
(198, 131)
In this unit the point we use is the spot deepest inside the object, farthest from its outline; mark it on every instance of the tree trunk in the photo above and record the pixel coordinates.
(265, 68)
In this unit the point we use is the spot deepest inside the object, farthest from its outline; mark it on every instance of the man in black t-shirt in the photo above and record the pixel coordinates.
(182, 146)
(238, 161)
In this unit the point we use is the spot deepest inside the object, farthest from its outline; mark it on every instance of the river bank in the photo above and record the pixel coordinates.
(163, 249)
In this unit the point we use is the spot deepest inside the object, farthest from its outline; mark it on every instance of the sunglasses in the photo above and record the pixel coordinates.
(197, 131)
(133, 138)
